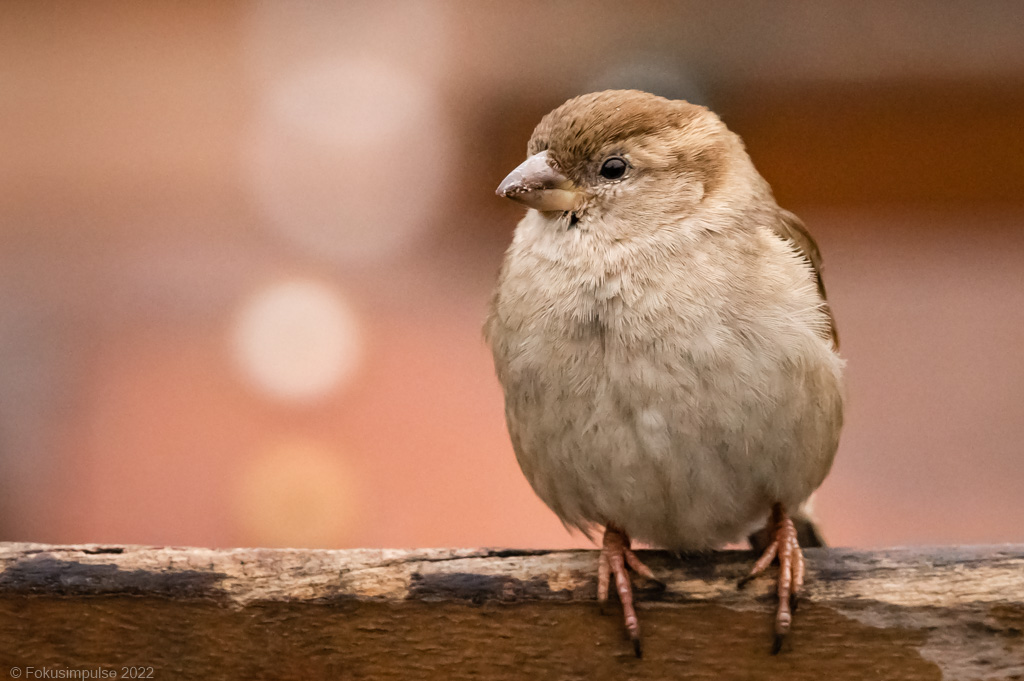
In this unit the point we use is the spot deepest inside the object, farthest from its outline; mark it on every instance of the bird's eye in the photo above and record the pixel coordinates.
(613, 168)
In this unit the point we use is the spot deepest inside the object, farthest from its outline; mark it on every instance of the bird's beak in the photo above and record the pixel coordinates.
(537, 184)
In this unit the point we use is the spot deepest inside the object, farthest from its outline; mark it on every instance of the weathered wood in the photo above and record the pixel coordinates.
(952, 613)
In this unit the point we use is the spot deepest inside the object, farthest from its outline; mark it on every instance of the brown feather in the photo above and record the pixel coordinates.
(792, 228)
(576, 133)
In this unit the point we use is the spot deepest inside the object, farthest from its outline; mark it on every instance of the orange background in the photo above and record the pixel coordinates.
(248, 246)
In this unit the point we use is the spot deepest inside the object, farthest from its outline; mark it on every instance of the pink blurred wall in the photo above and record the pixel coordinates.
(247, 252)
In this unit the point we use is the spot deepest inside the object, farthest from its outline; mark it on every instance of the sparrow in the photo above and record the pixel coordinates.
(660, 329)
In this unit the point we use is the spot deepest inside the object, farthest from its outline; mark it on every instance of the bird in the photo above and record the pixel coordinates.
(661, 332)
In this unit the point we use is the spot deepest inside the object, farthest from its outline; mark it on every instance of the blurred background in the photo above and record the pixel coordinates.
(246, 250)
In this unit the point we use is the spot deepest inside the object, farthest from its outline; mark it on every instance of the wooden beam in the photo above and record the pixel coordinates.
(953, 613)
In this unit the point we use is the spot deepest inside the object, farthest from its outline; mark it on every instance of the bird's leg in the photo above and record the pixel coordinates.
(615, 556)
(783, 544)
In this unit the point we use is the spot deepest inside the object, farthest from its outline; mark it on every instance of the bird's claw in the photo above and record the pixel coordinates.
(777, 644)
(615, 557)
(785, 546)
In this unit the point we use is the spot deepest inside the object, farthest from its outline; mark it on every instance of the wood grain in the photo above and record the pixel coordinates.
(939, 613)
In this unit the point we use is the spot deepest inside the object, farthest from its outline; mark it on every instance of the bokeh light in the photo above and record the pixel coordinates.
(296, 340)
(296, 493)
(348, 157)
(651, 72)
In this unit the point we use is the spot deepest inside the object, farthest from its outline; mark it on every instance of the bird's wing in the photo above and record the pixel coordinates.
(791, 228)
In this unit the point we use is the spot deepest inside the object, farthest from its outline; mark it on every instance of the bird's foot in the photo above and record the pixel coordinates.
(615, 557)
(786, 547)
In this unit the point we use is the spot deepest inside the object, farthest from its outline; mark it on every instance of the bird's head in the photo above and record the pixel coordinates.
(624, 158)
